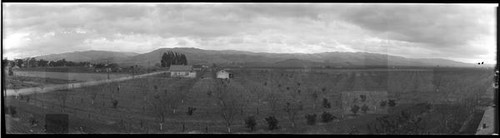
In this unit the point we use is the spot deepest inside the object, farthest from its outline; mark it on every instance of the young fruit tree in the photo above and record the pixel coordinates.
(159, 105)
(273, 100)
(62, 96)
(364, 108)
(355, 109)
(327, 117)
(311, 119)
(228, 102)
(272, 123)
(250, 122)
(292, 108)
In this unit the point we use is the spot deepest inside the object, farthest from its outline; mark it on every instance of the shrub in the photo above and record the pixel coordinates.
(209, 93)
(364, 108)
(363, 98)
(115, 103)
(250, 122)
(311, 119)
(272, 122)
(33, 120)
(326, 104)
(190, 110)
(392, 103)
(327, 117)
(12, 111)
(355, 109)
(383, 103)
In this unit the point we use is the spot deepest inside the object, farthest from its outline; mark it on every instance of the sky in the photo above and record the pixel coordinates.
(460, 32)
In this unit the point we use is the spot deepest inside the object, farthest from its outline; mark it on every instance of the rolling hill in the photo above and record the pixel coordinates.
(252, 59)
(91, 56)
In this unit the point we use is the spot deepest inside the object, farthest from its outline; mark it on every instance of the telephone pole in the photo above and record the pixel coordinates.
(108, 69)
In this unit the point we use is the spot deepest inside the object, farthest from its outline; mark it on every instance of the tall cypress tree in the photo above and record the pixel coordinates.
(164, 60)
(169, 58)
(184, 59)
(176, 58)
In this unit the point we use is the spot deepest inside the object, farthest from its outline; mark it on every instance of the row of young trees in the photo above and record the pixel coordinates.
(33, 62)
(173, 58)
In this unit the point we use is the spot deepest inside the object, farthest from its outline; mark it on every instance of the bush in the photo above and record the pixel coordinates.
(311, 119)
(33, 120)
(250, 122)
(190, 110)
(115, 103)
(392, 103)
(326, 104)
(272, 122)
(363, 98)
(364, 108)
(327, 117)
(355, 109)
(12, 111)
(383, 103)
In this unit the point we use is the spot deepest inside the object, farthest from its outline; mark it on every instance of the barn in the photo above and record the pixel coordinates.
(223, 74)
(185, 71)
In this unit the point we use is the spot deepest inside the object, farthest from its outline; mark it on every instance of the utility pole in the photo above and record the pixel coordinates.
(107, 69)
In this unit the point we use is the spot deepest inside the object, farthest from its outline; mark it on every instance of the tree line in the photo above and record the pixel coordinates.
(32, 62)
(173, 58)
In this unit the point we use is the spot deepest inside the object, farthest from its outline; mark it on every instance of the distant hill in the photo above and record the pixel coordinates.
(91, 56)
(252, 59)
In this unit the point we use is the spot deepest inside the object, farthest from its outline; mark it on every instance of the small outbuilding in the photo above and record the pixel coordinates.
(223, 74)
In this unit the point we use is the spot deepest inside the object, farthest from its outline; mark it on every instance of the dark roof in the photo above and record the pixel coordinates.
(222, 71)
(181, 68)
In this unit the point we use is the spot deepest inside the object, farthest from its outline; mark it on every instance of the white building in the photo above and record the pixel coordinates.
(223, 74)
(182, 71)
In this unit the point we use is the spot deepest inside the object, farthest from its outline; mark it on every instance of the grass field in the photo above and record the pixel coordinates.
(159, 104)
(18, 82)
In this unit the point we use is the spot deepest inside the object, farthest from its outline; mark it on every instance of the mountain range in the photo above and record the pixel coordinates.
(88, 56)
(253, 59)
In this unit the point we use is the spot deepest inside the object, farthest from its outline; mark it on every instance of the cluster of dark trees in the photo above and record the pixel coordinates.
(173, 58)
(32, 62)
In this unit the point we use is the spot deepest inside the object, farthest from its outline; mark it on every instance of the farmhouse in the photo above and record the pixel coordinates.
(223, 74)
(182, 71)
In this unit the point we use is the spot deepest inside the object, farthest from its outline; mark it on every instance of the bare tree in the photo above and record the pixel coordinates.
(93, 95)
(292, 108)
(227, 101)
(159, 105)
(273, 100)
(173, 100)
(62, 96)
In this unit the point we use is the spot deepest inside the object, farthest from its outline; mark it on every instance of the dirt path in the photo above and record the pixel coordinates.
(488, 120)
(24, 91)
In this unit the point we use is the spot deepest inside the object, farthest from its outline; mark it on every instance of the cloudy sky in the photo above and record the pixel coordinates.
(464, 33)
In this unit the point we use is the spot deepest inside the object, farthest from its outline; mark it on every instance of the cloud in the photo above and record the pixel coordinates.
(436, 25)
(450, 31)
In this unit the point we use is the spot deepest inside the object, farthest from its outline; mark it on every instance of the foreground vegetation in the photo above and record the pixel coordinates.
(439, 101)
